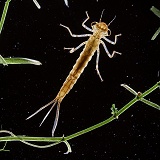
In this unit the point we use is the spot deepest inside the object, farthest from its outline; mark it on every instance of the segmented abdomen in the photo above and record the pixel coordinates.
(76, 71)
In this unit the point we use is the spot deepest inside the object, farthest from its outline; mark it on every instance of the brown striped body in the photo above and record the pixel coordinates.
(99, 30)
(85, 56)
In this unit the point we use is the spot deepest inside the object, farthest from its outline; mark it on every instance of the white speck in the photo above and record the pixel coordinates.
(66, 3)
(37, 4)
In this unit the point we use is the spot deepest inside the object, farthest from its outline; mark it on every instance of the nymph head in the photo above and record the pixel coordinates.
(101, 26)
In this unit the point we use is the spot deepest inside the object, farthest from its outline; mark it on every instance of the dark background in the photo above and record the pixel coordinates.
(32, 33)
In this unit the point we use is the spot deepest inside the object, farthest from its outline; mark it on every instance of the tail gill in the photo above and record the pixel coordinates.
(53, 103)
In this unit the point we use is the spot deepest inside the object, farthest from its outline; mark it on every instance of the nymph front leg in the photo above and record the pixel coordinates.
(109, 55)
(74, 35)
(83, 24)
(115, 39)
(97, 62)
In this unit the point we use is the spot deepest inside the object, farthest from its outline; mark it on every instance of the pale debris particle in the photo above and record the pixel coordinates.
(37, 4)
(66, 3)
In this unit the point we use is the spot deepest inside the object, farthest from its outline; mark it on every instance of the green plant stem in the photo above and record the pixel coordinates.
(150, 103)
(58, 140)
(18, 60)
(53, 139)
(157, 13)
(89, 129)
(103, 122)
(4, 14)
(155, 34)
(150, 90)
(31, 139)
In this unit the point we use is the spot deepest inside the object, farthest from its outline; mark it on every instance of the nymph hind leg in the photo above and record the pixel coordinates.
(97, 62)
